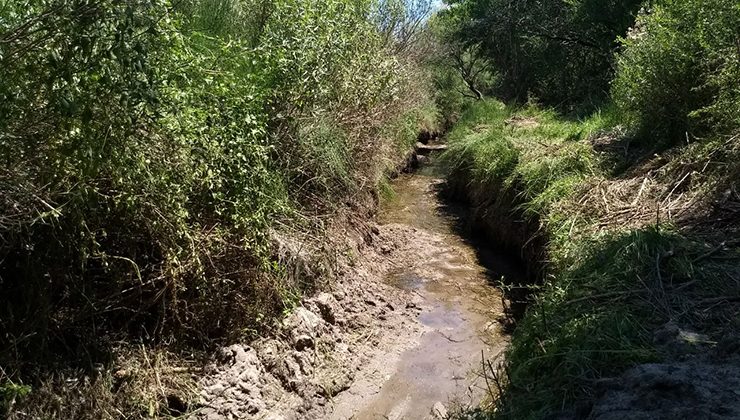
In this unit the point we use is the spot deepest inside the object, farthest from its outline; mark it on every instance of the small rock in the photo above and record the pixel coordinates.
(667, 333)
(291, 372)
(269, 352)
(252, 408)
(240, 354)
(226, 355)
(439, 411)
(233, 379)
(303, 322)
(328, 306)
(212, 415)
(375, 230)
(216, 389)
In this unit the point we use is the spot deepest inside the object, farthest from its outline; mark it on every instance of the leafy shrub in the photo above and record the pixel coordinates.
(560, 53)
(86, 174)
(679, 70)
(148, 150)
(450, 99)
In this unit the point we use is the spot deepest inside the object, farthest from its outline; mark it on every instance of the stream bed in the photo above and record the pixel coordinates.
(461, 316)
(404, 331)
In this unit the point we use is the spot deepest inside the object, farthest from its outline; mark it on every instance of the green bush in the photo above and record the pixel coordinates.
(86, 172)
(592, 312)
(558, 52)
(148, 149)
(679, 72)
(570, 330)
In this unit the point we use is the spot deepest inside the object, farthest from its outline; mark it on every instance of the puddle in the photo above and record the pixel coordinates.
(460, 309)
(405, 280)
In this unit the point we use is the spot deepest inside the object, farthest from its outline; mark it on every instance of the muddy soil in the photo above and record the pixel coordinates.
(699, 379)
(401, 335)
(695, 389)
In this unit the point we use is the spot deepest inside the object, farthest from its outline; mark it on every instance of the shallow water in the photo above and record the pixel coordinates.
(461, 308)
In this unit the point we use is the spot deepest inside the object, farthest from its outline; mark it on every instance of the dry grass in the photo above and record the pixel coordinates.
(518, 121)
(680, 187)
(691, 190)
(141, 383)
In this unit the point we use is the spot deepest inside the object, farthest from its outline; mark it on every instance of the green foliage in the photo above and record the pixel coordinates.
(460, 73)
(588, 322)
(214, 108)
(234, 19)
(449, 97)
(85, 173)
(326, 150)
(679, 70)
(148, 150)
(604, 289)
(606, 286)
(558, 52)
(538, 160)
(10, 393)
(532, 152)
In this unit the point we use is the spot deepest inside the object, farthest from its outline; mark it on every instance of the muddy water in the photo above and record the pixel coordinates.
(461, 309)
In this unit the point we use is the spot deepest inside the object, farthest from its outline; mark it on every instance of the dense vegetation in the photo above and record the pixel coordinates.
(679, 71)
(558, 52)
(619, 144)
(158, 158)
(154, 153)
(624, 255)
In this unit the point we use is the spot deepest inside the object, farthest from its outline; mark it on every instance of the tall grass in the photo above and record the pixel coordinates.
(610, 281)
(543, 155)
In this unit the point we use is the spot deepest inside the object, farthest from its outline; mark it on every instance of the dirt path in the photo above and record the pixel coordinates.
(402, 336)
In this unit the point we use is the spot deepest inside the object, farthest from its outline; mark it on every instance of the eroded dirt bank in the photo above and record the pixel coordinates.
(401, 335)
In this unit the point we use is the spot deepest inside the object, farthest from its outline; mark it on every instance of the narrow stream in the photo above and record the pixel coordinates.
(460, 315)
